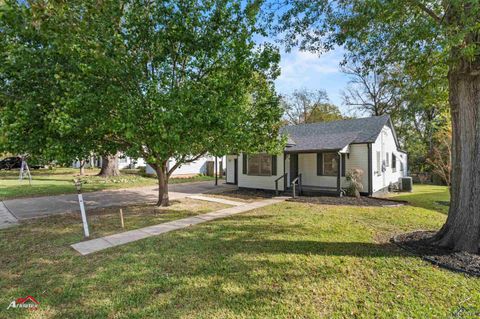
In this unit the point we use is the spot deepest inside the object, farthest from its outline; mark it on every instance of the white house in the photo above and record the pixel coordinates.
(123, 162)
(204, 165)
(318, 155)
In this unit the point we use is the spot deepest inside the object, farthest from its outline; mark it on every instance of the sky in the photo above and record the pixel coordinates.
(301, 69)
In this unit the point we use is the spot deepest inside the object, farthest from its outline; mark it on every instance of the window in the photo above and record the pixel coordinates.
(260, 164)
(379, 163)
(387, 160)
(330, 164)
(394, 163)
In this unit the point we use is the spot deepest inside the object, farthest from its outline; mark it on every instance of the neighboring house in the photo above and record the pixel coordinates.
(322, 153)
(204, 165)
(128, 162)
(123, 162)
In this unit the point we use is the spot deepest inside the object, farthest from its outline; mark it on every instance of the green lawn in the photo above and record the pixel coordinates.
(290, 260)
(59, 181)
(431, 197)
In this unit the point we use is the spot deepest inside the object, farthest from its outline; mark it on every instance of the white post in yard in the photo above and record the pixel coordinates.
(78, 185)
(24, 169)
(121, 218)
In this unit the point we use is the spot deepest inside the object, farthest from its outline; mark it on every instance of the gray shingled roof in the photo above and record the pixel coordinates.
(333, 135)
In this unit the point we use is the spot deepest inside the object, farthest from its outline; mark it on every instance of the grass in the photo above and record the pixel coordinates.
(59, 181)
(430, 197)
(290, 260)
(106, 221)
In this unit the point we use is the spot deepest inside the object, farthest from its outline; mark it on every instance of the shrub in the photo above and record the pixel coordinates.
(354, 178)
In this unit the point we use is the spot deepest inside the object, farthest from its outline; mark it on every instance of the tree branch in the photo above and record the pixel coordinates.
(183, 161)
(428, 11)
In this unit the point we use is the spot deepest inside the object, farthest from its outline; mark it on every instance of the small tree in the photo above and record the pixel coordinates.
(309, 106)
(441, 156)
(354, 178)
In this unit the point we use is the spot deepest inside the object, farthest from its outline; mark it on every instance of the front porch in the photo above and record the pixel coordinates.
(315, 173)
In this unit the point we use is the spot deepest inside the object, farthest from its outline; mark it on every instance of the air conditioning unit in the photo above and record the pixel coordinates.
(406, 184)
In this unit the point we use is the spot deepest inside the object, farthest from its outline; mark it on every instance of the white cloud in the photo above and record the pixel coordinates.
(308, 70)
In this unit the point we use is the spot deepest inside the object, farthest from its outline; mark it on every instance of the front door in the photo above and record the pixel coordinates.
(293, 166)
(235, 178)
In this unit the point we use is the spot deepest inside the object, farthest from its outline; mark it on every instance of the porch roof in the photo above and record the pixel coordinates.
(330, 142)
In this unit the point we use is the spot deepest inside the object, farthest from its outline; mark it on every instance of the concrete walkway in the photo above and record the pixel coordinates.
(6, 217)
(25, 208)
(94, 245)
(217, 200)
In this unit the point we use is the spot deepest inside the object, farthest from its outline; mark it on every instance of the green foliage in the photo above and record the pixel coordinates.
(157, 79)
(305, 106)
(418, 34)
(325, 112)
(47, 106)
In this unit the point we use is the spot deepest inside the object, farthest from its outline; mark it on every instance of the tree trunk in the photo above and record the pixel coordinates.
(109, 166)
(82, 167)
(461, 232)
(162, 176)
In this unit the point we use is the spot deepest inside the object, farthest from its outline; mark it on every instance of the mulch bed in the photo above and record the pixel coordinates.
(349, 201)
(417, 243)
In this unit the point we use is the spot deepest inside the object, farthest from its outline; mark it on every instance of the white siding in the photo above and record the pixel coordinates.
(385, 144)
(357, 158)
(307, 166)
(260, 182)
(130, 162)
(197, 167)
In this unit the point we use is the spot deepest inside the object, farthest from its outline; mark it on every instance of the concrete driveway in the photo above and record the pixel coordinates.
(25, 208)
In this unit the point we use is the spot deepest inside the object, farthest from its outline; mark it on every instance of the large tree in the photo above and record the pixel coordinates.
(425, 35)
(370, 90)
(158, 79)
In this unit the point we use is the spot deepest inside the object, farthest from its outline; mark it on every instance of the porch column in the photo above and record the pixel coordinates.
(338, 171)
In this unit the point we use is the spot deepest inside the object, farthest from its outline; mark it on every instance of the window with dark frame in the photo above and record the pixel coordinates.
(330, 164)
(259, 165)
(394, 162)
